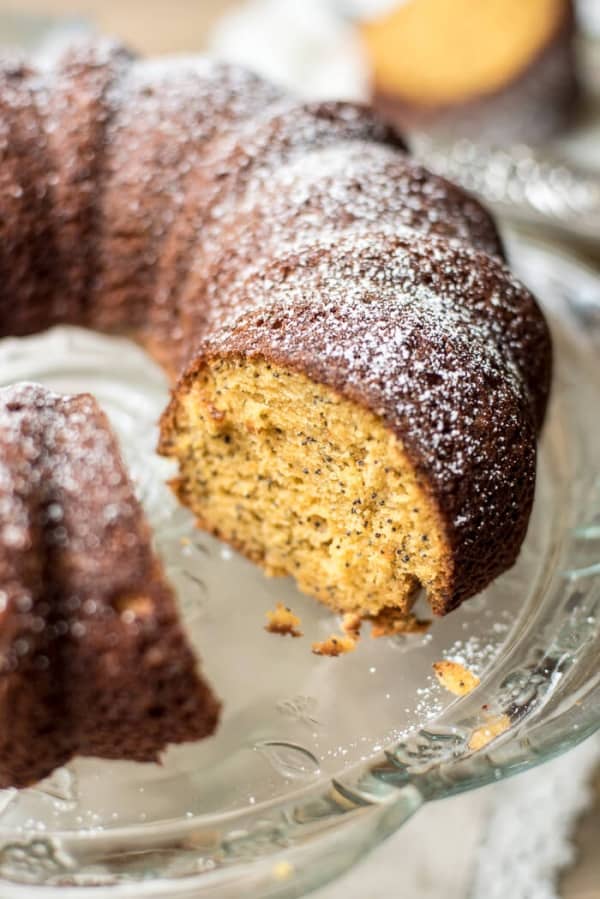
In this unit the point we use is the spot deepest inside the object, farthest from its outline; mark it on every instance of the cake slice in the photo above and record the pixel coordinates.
(93, 657)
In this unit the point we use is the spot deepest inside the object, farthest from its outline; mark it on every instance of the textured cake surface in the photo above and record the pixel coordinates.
(358, 379)
(93, 660)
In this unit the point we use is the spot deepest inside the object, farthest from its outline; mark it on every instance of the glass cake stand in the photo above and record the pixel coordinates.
(317, 760)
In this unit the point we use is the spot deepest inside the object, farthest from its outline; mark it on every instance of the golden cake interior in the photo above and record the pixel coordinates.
(443, 51)
(306, 483)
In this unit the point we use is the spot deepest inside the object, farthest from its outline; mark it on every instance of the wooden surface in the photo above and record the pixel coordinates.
(159, 26)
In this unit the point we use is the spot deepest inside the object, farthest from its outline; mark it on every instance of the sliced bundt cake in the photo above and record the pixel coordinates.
(294, 262)
(358, 379)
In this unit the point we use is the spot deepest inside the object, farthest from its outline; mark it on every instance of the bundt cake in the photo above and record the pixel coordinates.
(496, 70)
(93, 660)
(358, 379)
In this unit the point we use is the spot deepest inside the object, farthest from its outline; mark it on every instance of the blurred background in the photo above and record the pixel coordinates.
(151, 26)
(503, 97)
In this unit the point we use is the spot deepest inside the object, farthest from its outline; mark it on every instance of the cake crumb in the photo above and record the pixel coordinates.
(351, 624)
(487, 732)
(334, 645)
(390, 622)
(283, 621)
(283, 870)
(455, 677)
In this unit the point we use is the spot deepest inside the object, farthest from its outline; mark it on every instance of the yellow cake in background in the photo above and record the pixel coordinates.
(497, 69)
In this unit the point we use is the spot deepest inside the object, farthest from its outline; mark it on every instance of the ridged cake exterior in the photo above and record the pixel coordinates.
(93, 659)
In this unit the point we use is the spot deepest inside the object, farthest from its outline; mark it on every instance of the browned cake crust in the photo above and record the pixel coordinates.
(27, 238)
(216, 220)
(75, 109)
(93, 658)
(537, 104)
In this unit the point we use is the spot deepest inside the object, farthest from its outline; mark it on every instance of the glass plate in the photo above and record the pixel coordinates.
(319, 759)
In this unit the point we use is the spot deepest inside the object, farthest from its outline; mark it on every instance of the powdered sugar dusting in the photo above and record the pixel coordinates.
(87, 611)
(67, 463)
(360, 180)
